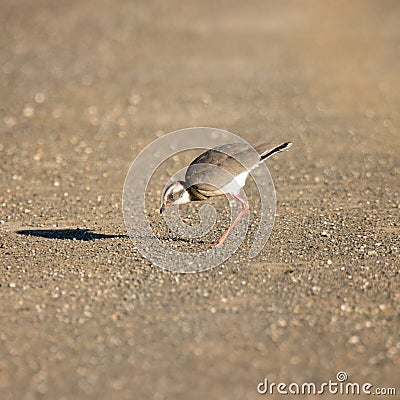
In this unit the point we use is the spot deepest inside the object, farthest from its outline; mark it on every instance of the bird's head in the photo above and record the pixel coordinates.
(175, 193)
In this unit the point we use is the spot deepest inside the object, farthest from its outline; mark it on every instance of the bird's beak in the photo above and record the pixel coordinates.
(164, 207)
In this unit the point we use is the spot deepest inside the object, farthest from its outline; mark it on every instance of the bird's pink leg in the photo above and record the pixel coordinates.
(245, 207)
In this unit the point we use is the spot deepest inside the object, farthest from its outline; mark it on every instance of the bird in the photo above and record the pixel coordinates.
(220, 171)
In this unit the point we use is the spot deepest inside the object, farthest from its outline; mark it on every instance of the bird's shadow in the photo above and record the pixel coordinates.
(68, 234)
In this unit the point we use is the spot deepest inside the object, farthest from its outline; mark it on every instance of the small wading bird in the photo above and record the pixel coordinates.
(220, 171)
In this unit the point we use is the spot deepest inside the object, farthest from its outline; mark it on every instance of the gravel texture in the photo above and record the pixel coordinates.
(85, 85)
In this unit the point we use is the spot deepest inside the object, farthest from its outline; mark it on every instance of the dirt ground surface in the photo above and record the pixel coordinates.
(85, 85)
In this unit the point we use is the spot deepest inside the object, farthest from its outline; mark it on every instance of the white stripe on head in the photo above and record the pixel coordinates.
(177, 188)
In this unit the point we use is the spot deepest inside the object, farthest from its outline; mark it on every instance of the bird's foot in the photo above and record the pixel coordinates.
(215, 244)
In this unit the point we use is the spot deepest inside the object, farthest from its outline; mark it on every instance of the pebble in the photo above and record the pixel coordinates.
(28, 111)
(40, 98)
(354, 340)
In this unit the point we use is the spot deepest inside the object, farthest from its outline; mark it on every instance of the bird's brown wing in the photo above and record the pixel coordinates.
(217, 167)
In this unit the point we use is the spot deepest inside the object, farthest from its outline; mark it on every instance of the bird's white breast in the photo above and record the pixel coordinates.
(236, 184)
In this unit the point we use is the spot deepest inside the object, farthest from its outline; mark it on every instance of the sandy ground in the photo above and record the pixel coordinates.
(85, 85)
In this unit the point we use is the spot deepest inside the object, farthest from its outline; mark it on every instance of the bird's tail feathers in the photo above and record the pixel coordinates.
(277, 149)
